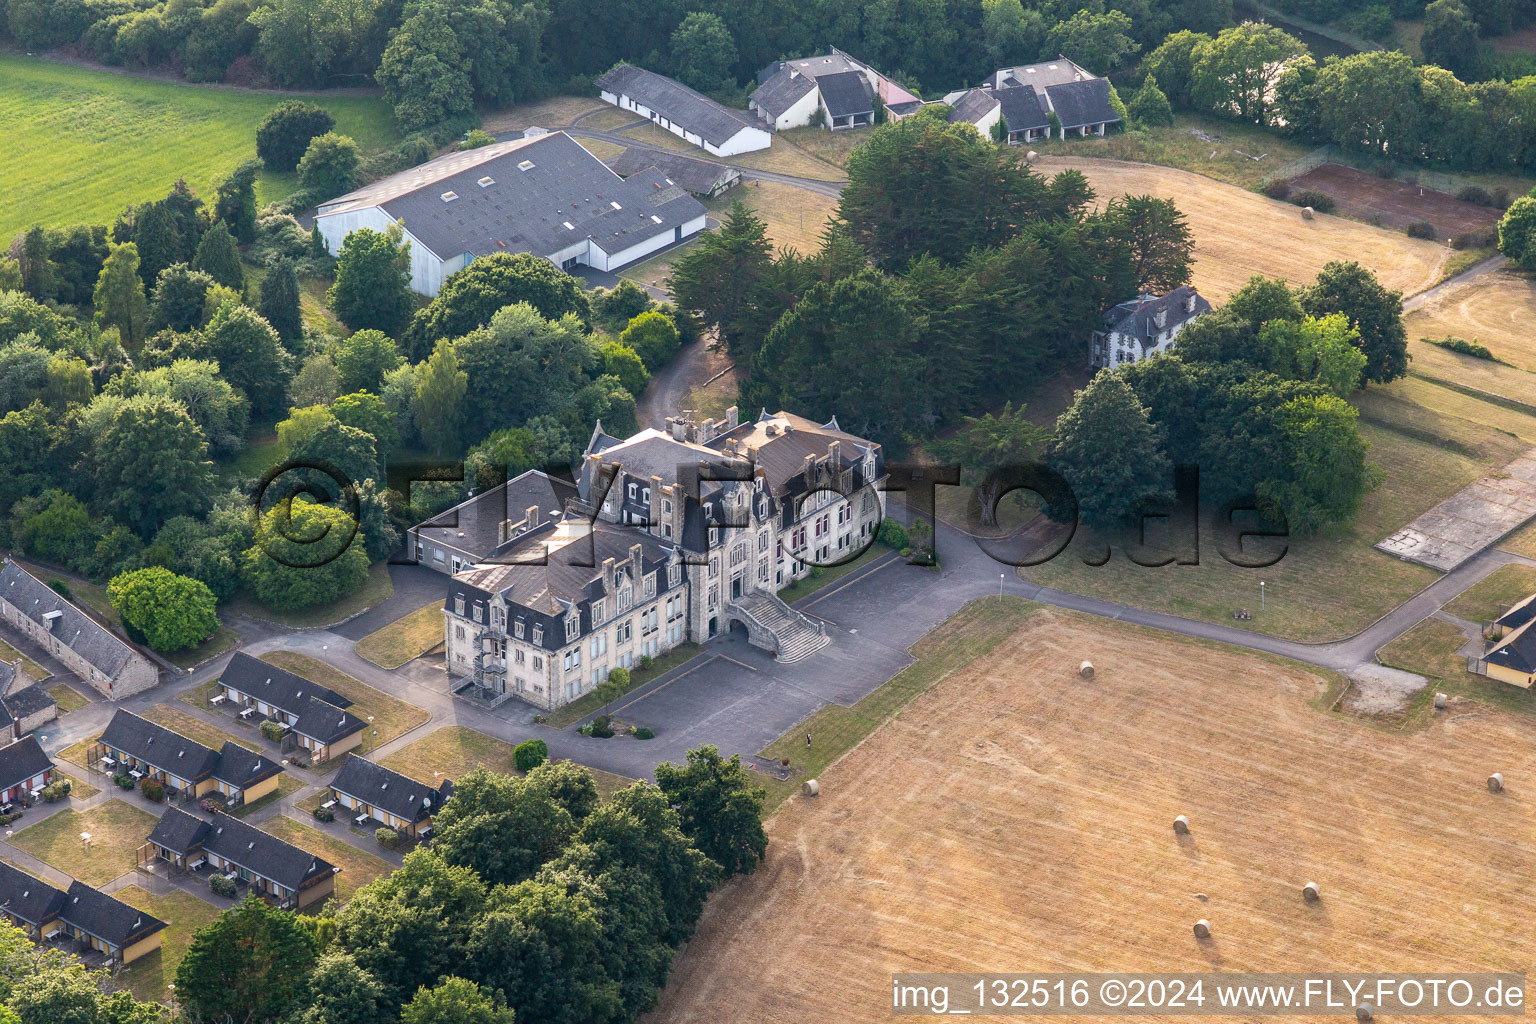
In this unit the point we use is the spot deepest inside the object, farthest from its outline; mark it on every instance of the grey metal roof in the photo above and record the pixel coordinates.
(972, 106)
(21, 761)
(846, 93)
(400, 795)
(782, 90)
(30, 899)
(1046, 73)
(185, 758)
(107, 917)
(676, 102)
(325, 722)
(1520, 614)
(474, 526)
(275, 686)
(73, 627)
(1082, 103)
(1517, 653)
(701, 177)
(246, 845)
(519, 197)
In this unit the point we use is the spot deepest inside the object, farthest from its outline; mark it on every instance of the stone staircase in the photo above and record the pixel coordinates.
(775, 626)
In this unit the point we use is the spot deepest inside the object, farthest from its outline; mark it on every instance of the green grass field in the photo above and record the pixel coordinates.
(83, 144)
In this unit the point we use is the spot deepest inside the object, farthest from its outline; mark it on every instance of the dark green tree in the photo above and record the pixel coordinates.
(1517, 232)
(235, 202)
(1450, 39)
(373, 277)
(154, 232)
(424, 73)
(1110, 453)
(653, 337)
(285, 133)
(455, 1001)
(179, 298)
(703, 52)
(719, 807)
(36, 267)
(170, 612)
(1172, 64)
(988, 443)
(251, 964)
(501, 826)
(1158, 239)
(1099, 42)
(249, 356)
(470, 297)
(722, 280)
(1150, 108)
(329, 166)
(568, 784)
(341, 992)
(1374, 310)
(218, 257)
(279, 305)
(364, 358)
(365, 411)
(151, 463)
(1235, 73)
(521, 365)
(305, 555)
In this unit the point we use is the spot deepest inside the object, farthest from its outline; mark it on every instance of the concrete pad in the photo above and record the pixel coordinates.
(1470, 520)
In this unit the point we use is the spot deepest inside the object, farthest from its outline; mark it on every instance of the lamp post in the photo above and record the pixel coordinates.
(1261, 595)
(1000, 577)
(171, 988)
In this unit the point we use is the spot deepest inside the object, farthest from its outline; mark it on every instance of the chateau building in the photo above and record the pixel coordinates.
(674, 535)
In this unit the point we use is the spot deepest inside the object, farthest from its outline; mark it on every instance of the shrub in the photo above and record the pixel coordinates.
(620, 678)
(646, 661)
(893, 535)
(6, 819)
(387, 838)
(643, 733)
(1475, 194)
(601, 727)
(55, 791)
(221, 886)
(285, 134)
(212, 806)
(475, 138)
(1466, 348)
(529, 754)
(123, 781)
(1320, 201)
(153, 789)
(61, 588)
(272, 730)
(324, 814)
(1486, 239)
(1421, 229)
(1278, 189)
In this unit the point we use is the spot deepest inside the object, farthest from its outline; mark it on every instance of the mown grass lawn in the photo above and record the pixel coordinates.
(375, 589)
(117, 830)
(69, 698)
(1488, 598)
(390, 716)
(357, 868)
(408, 637)
(9, 654)
(453, 750)
(193, 728)
(184, 915)
(81, 144)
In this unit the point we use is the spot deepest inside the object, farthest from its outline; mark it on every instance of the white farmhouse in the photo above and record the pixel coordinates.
(836, 90)
(545, 195)
(1144, 327)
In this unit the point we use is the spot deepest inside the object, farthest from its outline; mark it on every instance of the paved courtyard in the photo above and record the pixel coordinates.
(1470, 520)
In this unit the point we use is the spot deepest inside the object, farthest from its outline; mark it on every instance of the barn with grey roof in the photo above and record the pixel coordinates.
(1027, 97)
(834, 89)
(544, 195)
(86, 647)
(686, 113)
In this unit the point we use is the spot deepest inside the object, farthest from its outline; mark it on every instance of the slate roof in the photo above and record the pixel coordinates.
(1137, 318)
(846, 93)
(246, 845)
(474, 526)
(325, 722)
(30, 899)
(9, 672)
(1519, 615)
(398, 794)
(972, 106)
(73, 627)
(701, 177)
(782, 90)
(1046, 73)
(523, 209)
(1082, 103)
(676, 102)
(106, 917)
(1517, 653)
(185, 758)
(274, 686)
(781, 455)
(562, 579)
(28, 701)
(21, 761)
(1022, 108)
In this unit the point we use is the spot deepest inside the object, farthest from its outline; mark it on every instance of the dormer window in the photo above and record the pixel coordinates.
(597, 612)
(538, 634)
(714, 536)
(476, 612)
(673, 574)
(517, 629)
(626, 598)
(458, 606)
(572, 625)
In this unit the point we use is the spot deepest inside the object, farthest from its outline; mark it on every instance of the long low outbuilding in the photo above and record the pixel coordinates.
(686, 113)
(86, 916)
(544, 195)
(289, 876)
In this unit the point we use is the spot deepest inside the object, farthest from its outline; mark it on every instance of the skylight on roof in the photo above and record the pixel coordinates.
(526, 165)
(486, 181)
(616, 206)
(449, 197)
(568, 225)
(655, 218)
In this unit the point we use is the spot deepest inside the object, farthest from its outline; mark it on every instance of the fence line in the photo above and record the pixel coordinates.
(1330, 153)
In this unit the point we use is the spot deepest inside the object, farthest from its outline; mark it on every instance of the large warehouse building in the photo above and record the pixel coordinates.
(545, 195)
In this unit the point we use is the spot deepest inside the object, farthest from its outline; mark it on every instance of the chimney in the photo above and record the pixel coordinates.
(531, 516)
(607, 575)
(51, 619)
(834, 450)
(1189, 301)
(809, 469)
(733, 417)
(504, 531)
(772, 430)
(636, 567)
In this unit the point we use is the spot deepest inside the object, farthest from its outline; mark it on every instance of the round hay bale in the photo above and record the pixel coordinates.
(1031, 156)
(1311, 893)
(1439, 702)
(1365, 1011)
(1307, 213)
(1181, 825)
(810, 787)
(1496, 782)
(1202, 929)
(1085, 670)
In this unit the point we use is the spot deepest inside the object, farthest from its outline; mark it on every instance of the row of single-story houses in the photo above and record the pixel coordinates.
(87, 917)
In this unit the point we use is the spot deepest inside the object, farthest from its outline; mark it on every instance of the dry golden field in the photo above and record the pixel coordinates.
(1017, 818)
(1495, 310)
(1240, 233)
